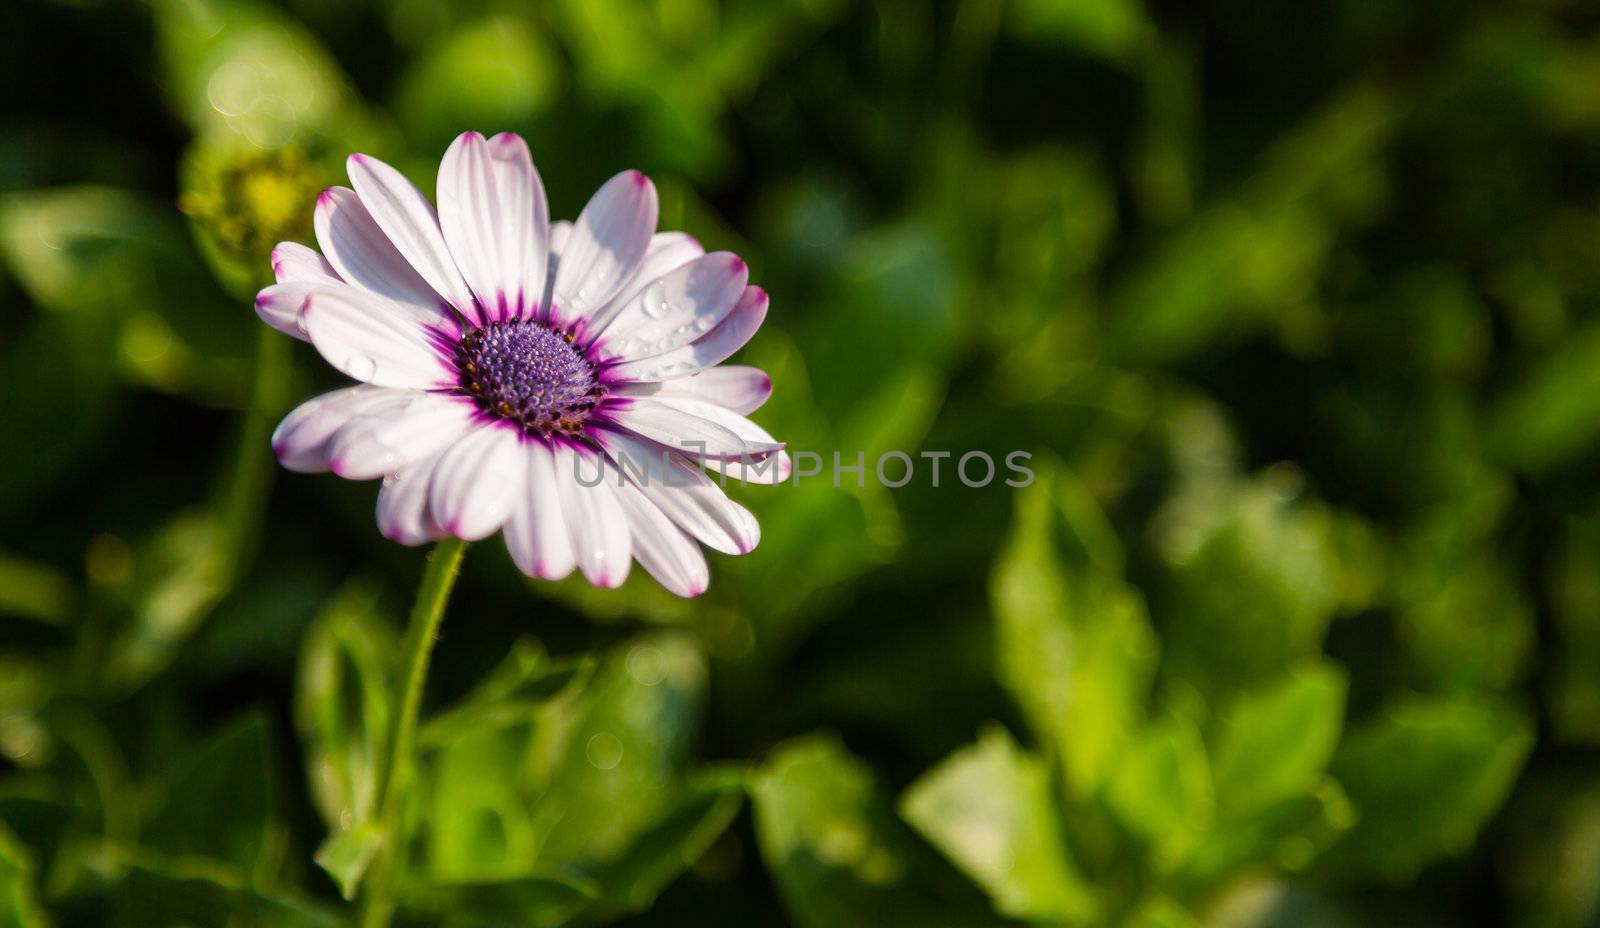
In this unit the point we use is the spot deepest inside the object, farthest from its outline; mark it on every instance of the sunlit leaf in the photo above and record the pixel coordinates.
(1074, 647)
(991, 809)
(1273, 743)
(1161, 790)
(839, 854)
(1254, 581)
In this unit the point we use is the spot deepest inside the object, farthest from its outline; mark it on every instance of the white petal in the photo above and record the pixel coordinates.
(409, 221)
(560, 234)
(606, 246)
(477, 481)
(595, 520)
(771, 470)
(279, 306)
(673, 311)
(668, 251)
(389, 438)
(495, 218)
(403, 513)
(293, 261)
(373, 339)
(363, 255)
(301, 439)
(662, 548)
(741, 389)
(710, 349)
(296, 268)
(536, 532)
(688, 497)
(685, 431)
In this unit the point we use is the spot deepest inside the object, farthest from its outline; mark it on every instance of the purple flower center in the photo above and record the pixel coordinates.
(528, 374)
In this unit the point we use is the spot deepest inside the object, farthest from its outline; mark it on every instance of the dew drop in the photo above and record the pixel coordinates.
(654, 302)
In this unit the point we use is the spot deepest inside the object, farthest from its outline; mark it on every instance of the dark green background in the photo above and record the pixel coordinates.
(1296, 305)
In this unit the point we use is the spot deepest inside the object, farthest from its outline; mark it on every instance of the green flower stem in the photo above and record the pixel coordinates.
(444, 562)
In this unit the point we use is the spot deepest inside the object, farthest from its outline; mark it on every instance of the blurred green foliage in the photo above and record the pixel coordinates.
(1296, 306)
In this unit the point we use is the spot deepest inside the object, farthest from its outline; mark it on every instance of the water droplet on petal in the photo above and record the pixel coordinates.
(654, 302)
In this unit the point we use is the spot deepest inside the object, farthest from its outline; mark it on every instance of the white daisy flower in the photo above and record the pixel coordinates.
(560, 382)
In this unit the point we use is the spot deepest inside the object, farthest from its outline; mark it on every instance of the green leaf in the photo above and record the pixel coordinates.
(508, 695)
(345, 855)
(528, 902)
(839, 854)
(1424, 777)
(1552, 413)
(991, 810)
(623, 766)
(1288, 833)
(656, 857)
(1273, 743)
(1075, 649)
(219, 801)
(1466, 626)
(1115, 29)
(1255, 577)
(476, 815)
(342, 709)
(19, 902)
(533, 774)
(181, 572)
(1161, 790)
(153, 888)
(32, 590)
